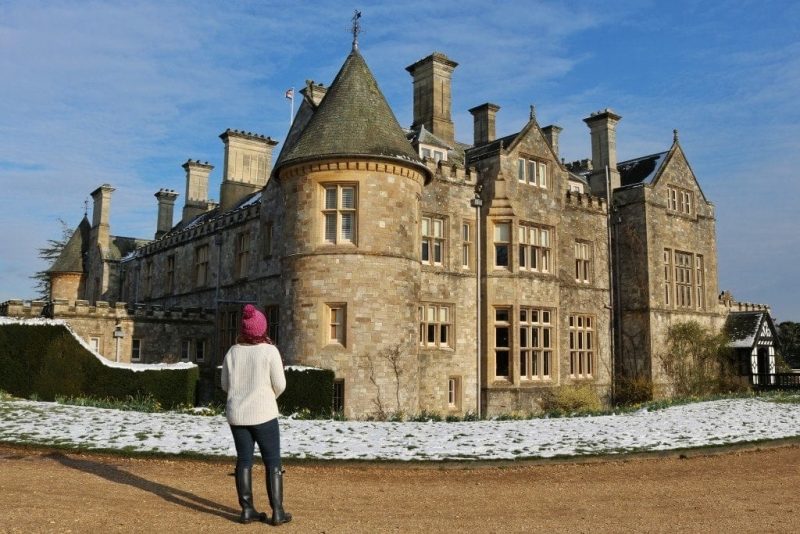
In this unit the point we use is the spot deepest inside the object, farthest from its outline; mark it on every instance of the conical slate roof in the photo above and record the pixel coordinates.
(353, 119)
(71, 258)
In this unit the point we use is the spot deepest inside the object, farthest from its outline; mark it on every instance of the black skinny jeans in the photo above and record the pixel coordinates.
(268, 437)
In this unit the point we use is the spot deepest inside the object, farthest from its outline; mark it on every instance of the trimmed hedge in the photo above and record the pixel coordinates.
(46, 361)
(307, 389)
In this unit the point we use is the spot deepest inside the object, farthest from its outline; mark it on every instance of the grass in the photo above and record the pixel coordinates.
(139, 403)
(784, 397)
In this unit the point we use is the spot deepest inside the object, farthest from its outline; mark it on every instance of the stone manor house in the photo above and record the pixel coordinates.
(427, 273)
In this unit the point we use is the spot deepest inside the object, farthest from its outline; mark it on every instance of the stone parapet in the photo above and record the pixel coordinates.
(451, 172)
(209, 227)
(22, 308)
(586, 201)
(731, 305)
(66, 309)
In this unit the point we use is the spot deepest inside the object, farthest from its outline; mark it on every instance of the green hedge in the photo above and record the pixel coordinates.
(46, 360)
(308, 389)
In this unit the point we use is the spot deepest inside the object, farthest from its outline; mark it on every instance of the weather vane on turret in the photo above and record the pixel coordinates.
(85, 207)
(356, 28)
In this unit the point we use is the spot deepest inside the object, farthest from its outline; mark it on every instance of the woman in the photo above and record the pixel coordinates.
(252, 374)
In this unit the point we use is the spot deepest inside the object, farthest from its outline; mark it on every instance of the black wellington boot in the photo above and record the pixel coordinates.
(244, 488)
(275, 493)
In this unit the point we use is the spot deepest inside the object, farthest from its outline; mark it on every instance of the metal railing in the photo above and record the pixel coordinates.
(776, 380)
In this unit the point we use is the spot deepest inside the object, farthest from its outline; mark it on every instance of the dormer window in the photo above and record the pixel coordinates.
(533, 172)
(435, 153)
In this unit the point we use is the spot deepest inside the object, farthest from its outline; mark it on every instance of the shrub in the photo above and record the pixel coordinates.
(308, 394)
(307, 389)
(571, 399)
(135, 403)
(426, 417)
(47, 360)
(633, 390)
(697, 361)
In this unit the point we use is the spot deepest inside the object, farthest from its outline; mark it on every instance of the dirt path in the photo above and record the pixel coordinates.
(742, 491)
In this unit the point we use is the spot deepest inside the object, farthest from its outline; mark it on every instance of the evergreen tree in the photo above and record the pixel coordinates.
(49, 253)
(789, 334)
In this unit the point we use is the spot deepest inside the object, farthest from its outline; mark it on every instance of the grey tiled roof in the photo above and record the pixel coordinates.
(422, 135)
(122, 246)
(742, 328)
(479, 151)
(213, 214)
(455, 154)
(71, 258)
(640, 170)
(353, 119)
(578, 178)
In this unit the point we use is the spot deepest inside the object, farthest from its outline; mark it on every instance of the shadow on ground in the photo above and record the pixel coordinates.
(168, 493)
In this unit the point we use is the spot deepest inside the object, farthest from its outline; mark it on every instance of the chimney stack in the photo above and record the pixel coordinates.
(603, 128)
(196, 189)
(101, 214)
(432, 96)
(313, 92)
(248, 161)
(166, 204)
(483, 117)
(551, 133)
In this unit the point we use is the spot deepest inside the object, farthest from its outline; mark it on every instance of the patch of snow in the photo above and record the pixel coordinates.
(300, 368)
(745, 343)
(695, 425)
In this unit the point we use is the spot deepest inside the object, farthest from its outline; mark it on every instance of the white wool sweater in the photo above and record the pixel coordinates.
(253, 377)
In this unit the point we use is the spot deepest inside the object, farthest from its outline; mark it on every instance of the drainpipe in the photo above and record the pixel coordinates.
(611, 286)
(216, 356)
(477, 202)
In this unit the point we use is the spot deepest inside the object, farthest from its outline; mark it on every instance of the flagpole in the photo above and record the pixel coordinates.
(291, 111)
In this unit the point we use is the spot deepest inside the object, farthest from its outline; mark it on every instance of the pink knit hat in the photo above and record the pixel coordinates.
(254, 324)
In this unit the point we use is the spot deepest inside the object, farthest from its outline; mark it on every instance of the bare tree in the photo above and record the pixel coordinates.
(393, 356)
(377, 401)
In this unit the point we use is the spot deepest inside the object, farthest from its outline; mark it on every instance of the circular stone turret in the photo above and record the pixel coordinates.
(352, 185)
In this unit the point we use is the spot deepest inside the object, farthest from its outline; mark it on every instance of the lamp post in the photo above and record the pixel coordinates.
(476, 203)
(118, 335)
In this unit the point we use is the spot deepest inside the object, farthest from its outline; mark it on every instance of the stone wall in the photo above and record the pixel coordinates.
(570, 217)
(648, 228)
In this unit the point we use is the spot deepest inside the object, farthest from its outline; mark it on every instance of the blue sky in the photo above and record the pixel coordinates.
(125, 92)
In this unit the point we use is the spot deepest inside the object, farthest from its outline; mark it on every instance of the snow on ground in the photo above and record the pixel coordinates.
(694, 425)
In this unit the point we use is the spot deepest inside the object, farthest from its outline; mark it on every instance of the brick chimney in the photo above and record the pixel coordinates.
(483, 118)
(432, 96)
(248, 160)
(196, 189)
(166, 204)
(603, 128)
(551, 133)
(101, 214)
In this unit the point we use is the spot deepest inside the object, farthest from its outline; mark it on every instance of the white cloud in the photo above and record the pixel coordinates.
(124, 93)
